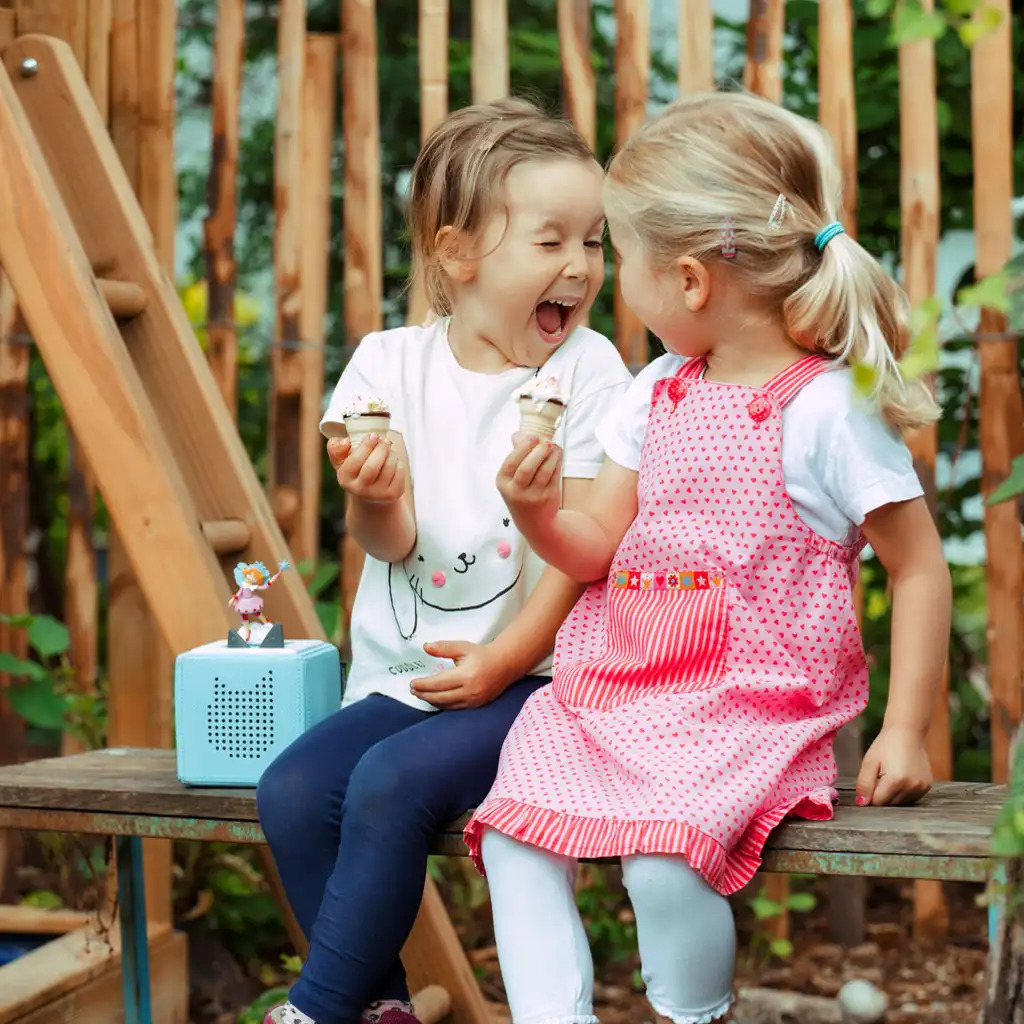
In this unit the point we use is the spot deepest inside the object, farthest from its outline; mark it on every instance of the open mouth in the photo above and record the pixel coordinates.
(553, 317)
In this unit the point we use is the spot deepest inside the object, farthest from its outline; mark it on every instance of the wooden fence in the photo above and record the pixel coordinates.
(127, 49)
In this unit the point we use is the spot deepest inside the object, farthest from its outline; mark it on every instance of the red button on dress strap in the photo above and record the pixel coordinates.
(759, 408)
(676, 391)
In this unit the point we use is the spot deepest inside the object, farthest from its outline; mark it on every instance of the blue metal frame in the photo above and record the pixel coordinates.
(131, 899)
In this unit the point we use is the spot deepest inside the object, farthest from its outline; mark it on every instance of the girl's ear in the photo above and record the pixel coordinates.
(454, 255)
(695, 282)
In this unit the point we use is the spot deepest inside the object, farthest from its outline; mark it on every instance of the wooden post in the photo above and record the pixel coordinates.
(221, 192)
(1000, 402)
(632, 63)
(81, 588)
(97, 65)
(919, 205)
(763, 71)
(139, 663)
(285, 480)
(14, 515)
(363, 253)
(124, 86)
(838, 115)
(433, 66)
(696, 46)
(489, 78)
(7, 26)
(578, 67)
(320, 85)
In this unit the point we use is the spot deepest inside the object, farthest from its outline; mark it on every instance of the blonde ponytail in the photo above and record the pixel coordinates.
(733, 155)
(850, 308)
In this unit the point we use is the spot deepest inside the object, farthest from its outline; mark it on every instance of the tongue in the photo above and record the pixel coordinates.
(549, 318)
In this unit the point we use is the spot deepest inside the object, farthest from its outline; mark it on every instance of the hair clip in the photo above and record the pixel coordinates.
(778, 212)
(728, 238)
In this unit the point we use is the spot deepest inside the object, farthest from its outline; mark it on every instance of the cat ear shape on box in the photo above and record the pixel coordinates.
(274, 638)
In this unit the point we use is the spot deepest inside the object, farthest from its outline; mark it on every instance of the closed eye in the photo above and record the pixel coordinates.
(594, 244)
(549, 245)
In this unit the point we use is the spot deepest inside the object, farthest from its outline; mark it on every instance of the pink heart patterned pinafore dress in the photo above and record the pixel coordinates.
(696, 692)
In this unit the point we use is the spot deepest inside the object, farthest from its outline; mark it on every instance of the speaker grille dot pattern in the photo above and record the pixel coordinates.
(240, 722)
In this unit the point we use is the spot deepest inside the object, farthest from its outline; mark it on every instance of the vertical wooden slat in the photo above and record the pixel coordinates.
(139, 663)
(221, 197)
(286, 359)
(489, 77)
(919, 206)
(14, 518)
(433, 67)
(696, 46)
(98, 53)
(51, 18)
(318, 130)
(578, 82)
(433, 64)
(81, 588)
(7, 26)
(632, 63)
(363, 253)
(838, 115)
(124, 86)
(763, 70)
(1001, 430)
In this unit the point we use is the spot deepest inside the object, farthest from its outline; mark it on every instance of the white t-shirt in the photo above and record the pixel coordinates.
(840, 460)
(471, 570)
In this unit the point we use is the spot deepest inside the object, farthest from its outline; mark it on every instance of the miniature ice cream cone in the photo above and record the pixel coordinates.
(541, 407)
(362, 416)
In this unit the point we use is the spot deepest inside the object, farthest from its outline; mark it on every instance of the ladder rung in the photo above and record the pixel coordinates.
(227, 536)
(124, 298)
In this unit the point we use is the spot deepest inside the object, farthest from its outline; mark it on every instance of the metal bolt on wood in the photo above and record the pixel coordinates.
(29, 67)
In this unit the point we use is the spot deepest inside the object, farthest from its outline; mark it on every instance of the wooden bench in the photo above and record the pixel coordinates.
(132, 794)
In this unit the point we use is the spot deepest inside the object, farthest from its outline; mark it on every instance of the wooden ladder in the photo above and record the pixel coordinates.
(140, 397)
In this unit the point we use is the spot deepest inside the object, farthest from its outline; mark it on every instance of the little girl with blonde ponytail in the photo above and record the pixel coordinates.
(700, 680)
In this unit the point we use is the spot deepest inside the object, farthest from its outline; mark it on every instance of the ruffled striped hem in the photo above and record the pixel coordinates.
(593, 838)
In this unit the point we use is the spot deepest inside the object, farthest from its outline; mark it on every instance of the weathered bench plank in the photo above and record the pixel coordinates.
(135, 792)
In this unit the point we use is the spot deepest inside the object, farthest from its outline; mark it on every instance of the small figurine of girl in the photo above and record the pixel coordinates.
(252, 577)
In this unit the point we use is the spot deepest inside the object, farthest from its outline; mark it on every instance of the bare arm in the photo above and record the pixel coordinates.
(579, 543)
(904, 537)
(379, 512)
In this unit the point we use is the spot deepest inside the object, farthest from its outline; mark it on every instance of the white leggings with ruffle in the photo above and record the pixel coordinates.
(685, 934)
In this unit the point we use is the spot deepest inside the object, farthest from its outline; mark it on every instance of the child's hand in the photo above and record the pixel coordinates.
(371, 471)
(530, 480)
(477, 678)
(895, 769)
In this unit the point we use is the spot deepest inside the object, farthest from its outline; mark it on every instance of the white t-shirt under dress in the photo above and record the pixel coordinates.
(840, 460)
(470, 571)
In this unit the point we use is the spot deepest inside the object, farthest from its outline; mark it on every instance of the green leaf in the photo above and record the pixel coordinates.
(781, 948)
(992, 292)
(255, 1014)
(1011, 486)
(43, 900)
(48, 636)
(18, 621)
(984, 23)
(38, 703)
(322, 578)
(864, 378)
(801, 902)
(911, 22)
(15, 666)
(962, 8)
(765, 908)
(878, 8)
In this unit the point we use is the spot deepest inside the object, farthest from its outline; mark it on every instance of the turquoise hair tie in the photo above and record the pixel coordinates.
(826, 234)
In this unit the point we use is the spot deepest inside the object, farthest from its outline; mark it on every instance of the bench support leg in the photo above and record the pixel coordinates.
(131, 899)
(996, 903)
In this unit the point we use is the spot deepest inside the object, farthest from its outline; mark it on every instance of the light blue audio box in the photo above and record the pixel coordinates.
(237, 707)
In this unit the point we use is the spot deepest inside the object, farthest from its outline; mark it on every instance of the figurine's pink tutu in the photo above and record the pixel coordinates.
(248, 603)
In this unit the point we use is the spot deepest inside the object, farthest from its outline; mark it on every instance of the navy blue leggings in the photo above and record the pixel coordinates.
(349, 810)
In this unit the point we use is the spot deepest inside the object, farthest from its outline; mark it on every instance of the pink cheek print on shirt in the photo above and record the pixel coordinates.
(438, 579)
(504, 549)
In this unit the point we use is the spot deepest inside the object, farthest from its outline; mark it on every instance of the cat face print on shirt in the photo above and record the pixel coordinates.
(459, 579)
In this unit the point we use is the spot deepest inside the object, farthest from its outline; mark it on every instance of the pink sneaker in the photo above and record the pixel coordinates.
(390, 1012)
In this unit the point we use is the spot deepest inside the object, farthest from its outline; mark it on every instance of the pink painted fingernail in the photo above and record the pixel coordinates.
(861, 801)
